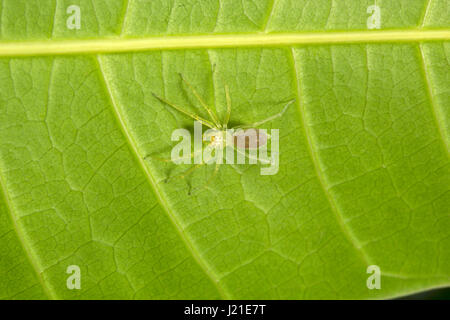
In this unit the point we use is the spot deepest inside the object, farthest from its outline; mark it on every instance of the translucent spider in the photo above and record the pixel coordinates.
(219, 137)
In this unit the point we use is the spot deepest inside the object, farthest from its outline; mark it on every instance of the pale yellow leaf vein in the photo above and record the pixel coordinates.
(316, 163)
(435, 110)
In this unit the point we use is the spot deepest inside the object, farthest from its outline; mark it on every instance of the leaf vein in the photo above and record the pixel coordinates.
(270, 15)
(125, 16)
(28, 250)
(425, 14)
(339, 216)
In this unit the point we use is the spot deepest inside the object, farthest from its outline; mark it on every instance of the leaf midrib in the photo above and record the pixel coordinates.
(119, 44)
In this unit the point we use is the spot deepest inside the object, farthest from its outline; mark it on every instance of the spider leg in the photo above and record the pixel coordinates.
(190, 156)
(203, 103)
(190, 114)
(257, 124)
(186, 173)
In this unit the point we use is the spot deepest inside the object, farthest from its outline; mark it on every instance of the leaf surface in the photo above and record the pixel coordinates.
(364, 152)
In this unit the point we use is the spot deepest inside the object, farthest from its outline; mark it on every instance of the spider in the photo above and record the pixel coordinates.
(219, 137)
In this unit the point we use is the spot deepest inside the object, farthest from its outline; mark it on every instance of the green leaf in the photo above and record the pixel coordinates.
(364, 151)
